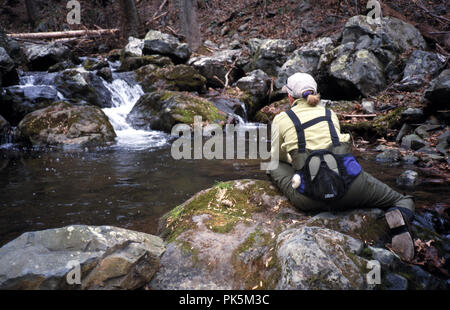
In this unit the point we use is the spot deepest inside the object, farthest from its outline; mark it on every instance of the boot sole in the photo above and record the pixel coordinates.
(402, 244)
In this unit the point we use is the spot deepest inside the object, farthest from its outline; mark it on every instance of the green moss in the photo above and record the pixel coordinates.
(379, 126)
(225, 204)
(265, 269)
(223, 185)
(190, 106)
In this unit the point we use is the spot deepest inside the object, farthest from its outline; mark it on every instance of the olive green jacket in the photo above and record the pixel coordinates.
(284, 135)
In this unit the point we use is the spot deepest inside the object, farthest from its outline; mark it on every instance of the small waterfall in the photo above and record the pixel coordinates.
(124, 97)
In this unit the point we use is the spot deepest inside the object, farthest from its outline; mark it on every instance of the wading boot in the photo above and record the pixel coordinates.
(399, 220)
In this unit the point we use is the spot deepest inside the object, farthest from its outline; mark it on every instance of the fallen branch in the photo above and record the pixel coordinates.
(62, 34)
(357, 115)
(420, 5)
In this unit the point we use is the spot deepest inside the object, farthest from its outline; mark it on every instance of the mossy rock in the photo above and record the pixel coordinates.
(377, 127)
(178, 78)
(161, 110)
(66, 124)
(94, 64)
(268, 113)
(368, 225)
(133, 63)
(223, 238)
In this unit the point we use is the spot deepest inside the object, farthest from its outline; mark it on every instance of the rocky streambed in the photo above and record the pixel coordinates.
(85, 143)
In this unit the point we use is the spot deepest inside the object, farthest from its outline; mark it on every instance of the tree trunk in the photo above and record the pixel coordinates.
(187, 10)
(130, 18)
(32, 11)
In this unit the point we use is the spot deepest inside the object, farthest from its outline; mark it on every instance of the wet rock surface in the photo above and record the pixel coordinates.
(18, 101)
(243, 234)
(108, 258)
(156, 42)
(41, 56)
(161, 110)
(178, 78)
(67, 125)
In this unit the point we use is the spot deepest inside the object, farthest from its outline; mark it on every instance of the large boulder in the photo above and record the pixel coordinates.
(136, 62)
(80, 86)
(179, 78)
(419, 66)
(42, 56)
(244, 234)
(439, 90)
(161, 110)
(367, 58)
(320, 258)
(156, 42)
(305, 59)
(133, 48)
(256, 86)
(107, 258)
(390, 34)
(18, 101)
(8, 73)
(67, 125)
(349, 73)
(218, 66)
(270, 54)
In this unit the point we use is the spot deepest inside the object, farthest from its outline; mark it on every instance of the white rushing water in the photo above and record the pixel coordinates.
(124, 97)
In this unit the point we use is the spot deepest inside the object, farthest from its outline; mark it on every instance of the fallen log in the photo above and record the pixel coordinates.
(357, 115)
(62, 34)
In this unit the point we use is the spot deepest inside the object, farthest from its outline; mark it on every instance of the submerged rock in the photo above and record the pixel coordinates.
(67, 125)
(388, 156)
(413, 142)
(178, 78)
(108, 258)
(408, 178)
(161, 110)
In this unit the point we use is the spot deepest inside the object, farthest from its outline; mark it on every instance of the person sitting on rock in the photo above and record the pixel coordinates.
(317, 172)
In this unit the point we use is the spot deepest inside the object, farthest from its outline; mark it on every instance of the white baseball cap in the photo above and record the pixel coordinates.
(299, 83)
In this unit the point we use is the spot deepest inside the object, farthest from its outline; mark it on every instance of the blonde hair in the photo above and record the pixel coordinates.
(313, 100)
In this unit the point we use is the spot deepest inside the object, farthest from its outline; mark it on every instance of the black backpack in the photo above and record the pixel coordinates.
(325, 176)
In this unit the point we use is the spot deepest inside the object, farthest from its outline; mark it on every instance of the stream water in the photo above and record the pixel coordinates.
(130, 184)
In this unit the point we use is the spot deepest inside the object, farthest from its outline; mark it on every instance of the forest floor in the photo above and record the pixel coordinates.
(298, 20)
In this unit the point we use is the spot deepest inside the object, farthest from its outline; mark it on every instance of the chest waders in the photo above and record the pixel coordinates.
(325, 176)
